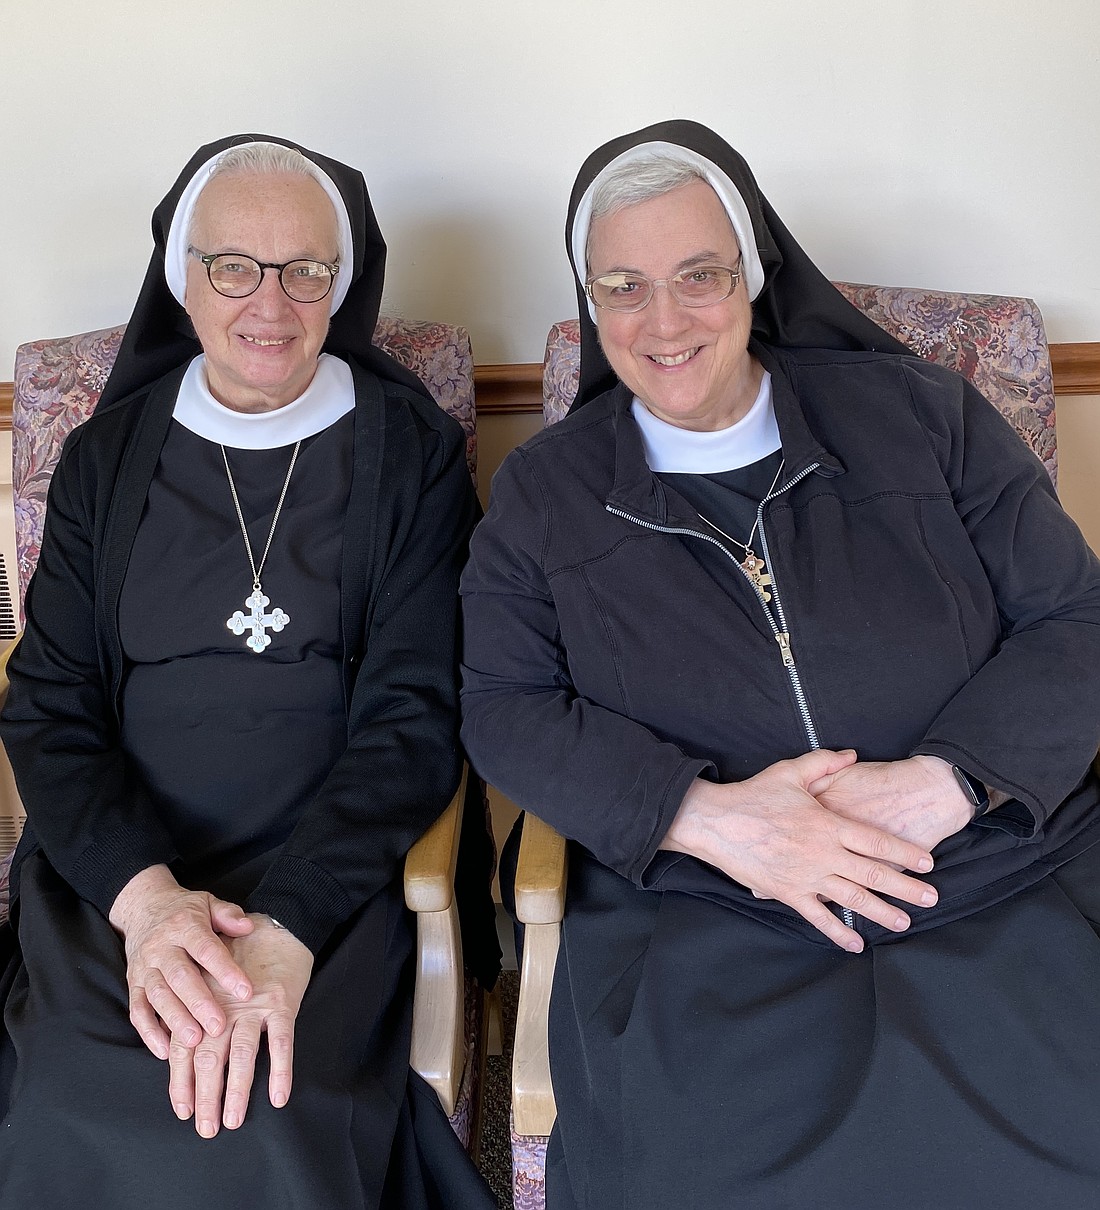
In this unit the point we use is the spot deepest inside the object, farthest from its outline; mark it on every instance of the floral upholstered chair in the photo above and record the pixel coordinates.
(1000, 345)
(57, 385)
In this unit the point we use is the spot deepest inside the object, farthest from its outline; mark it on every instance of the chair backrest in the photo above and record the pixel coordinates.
(58, 383)
(997, 342)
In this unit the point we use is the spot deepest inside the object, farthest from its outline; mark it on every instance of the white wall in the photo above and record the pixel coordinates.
(919, 142)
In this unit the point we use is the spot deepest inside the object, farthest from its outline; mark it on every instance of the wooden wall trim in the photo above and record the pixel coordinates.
(508, 389)
(516, 389)
(1076, 368)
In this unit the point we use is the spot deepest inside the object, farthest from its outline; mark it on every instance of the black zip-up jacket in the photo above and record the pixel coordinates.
(410, 511)
(935, 598)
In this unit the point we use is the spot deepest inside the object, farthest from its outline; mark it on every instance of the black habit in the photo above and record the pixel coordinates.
(141, 730)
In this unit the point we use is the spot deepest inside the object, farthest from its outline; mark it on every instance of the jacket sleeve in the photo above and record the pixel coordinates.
(1028, 721)
(598, 777)
(87, 809)
(402, 761)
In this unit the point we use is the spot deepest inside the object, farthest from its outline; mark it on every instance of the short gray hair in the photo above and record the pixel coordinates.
(260, 159)
(264, 159)
(640, 181)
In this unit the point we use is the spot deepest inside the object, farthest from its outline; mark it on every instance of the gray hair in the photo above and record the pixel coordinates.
(651, 170)
(641, 180)
(264, 159)
(260, 159)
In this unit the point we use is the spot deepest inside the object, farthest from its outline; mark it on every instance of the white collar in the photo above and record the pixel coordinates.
(330, 395)
(671, 449)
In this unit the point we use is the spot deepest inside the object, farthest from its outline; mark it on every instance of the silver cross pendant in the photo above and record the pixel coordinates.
(257, 621)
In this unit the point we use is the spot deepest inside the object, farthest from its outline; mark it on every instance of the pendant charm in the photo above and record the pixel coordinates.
(753, 567)
(257, 621)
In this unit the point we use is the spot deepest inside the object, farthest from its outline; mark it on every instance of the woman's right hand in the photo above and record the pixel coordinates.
(771, 835)
(171, 938)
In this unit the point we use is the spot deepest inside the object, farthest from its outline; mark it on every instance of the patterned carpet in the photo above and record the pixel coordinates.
(495, 1160)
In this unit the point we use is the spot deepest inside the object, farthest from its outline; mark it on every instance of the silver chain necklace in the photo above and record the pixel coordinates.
(752, 565)
(256, 620)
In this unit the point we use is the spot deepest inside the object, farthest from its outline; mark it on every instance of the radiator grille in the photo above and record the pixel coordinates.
(8, 628)
(11, 828)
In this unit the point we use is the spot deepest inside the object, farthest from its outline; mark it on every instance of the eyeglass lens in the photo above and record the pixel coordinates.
(693, 288)
(238, 276)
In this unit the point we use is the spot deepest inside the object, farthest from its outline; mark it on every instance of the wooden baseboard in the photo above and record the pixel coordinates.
(516, 389)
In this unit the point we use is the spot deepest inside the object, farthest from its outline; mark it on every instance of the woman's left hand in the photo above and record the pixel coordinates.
(213, 1080)
(917, 799)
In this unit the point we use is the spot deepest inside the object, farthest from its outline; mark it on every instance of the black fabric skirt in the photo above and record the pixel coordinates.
(704, 1059)
(86, 1117)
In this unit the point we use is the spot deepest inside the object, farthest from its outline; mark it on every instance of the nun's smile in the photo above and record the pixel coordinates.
(261, 350)
(690, 366)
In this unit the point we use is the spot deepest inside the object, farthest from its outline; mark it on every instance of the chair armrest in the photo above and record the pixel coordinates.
(540, 874)
(540, 905)
(431, 862)
(5, 655)
(438, 1030)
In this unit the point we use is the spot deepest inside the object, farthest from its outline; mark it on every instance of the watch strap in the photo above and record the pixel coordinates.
(974, 790)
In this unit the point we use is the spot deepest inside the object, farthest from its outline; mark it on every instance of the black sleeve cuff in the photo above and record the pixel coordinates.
(304, 899)
(105, 867)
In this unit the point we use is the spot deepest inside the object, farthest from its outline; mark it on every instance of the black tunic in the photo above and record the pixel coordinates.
(912, 1042)
(230, 744)
(709, 1049)
(233, 742)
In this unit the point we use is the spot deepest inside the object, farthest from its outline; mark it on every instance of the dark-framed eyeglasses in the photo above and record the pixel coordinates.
(238, 276)
(698, 287)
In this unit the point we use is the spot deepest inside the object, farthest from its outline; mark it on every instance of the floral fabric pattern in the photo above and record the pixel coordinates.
(997, 342)
(528, 1170)
(58, 383)
(469, 1090)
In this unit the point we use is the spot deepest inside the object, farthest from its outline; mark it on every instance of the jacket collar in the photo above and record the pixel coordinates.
(637, 490)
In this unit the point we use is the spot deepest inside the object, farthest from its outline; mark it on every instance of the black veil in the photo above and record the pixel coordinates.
(797, 307)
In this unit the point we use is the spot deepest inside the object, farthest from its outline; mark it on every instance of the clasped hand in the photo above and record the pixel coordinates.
(205, 981)
(822, 828)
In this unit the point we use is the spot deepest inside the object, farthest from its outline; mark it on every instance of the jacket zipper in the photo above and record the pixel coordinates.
(782, 631)
(780, 627)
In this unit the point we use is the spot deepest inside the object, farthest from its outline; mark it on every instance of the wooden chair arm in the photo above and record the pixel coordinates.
(5, 655)
(439, 1005)
(431, 862)
(540, 905)
(540, 874)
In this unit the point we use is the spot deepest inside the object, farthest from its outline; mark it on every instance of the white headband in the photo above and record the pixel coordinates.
(728, 194)
(175, 251)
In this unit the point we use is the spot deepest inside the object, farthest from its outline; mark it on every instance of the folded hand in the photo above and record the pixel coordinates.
(917, 799)
(172, 946)
(213, 1080)
(773, 836)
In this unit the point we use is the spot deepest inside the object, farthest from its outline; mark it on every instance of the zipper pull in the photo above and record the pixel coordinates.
(784, 641)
